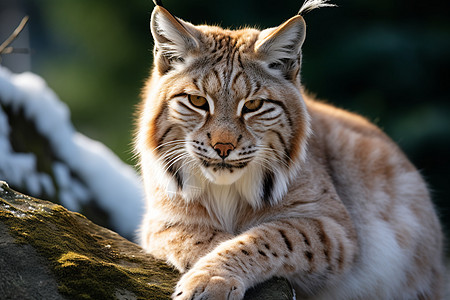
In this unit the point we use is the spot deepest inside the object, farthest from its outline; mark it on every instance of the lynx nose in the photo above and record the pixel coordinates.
(223, 149)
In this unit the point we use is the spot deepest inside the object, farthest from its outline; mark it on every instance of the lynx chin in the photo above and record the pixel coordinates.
(247, 177)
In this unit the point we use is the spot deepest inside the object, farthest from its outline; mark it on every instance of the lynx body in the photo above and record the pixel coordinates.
(247, 178)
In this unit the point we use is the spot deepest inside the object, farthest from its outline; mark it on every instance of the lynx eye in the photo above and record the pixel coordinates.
(252, 105)
(198, 101)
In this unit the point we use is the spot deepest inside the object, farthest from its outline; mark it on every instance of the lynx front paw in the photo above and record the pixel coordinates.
(203, 285)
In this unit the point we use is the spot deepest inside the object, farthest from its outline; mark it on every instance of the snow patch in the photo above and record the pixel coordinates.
(115, 185)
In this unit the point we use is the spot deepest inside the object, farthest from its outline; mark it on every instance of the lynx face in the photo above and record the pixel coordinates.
(228, 110)
(226, 132)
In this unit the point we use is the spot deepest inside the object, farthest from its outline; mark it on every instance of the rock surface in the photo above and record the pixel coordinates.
(47, 252)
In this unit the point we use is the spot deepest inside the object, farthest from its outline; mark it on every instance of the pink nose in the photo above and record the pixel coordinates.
(223, 149)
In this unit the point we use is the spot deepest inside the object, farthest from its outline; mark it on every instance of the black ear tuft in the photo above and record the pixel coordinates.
(309, 5)
(158, 3)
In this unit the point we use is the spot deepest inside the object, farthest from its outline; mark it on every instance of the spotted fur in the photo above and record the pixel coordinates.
(238, 191)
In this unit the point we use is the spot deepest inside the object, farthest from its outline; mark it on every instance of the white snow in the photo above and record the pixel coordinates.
(115, 185)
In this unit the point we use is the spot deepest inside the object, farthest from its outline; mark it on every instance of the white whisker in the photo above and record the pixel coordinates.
(280, 156)
(177, 142)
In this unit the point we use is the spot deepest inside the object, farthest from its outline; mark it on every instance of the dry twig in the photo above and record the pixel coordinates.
(4, 49)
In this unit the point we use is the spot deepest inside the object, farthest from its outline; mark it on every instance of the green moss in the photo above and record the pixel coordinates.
(89, 262)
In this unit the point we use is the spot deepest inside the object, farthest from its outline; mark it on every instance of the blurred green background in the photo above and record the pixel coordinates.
(386, 59)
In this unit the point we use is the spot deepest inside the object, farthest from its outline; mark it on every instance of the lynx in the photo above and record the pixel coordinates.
(247, 177)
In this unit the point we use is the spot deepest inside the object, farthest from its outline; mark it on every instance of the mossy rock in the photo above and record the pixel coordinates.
(48, 252)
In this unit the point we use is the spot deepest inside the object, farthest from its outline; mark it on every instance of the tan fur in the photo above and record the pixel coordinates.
(309, 192)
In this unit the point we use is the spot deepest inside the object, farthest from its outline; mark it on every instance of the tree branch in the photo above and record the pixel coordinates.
(4, 49)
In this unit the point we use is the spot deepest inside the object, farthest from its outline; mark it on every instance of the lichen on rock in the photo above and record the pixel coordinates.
(58, 254)
(87, 261)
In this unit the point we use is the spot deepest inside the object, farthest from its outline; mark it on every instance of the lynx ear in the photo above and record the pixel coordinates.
(280, 47)
(174, 38)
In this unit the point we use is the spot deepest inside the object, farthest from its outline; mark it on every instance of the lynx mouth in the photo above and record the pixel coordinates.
(220, 166)
(223, 173)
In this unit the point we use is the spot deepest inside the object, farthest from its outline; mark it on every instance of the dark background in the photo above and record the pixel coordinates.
(388, 60)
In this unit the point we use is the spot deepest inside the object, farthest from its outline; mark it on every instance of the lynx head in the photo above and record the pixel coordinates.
(223, 109)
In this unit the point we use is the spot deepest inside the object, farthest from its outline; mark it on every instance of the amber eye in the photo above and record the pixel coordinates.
(252, 105)
(198, 101)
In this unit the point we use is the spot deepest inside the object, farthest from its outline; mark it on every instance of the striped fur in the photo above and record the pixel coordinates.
(258, 180)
